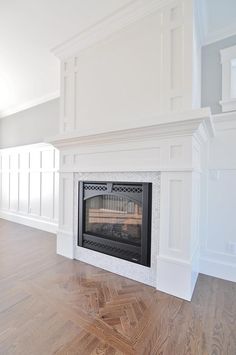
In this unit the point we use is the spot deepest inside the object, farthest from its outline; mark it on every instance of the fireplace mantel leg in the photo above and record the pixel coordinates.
(177, 263)
(65, 235)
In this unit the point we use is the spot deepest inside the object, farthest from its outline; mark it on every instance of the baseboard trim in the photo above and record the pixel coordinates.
(30, 221)
(219, 269)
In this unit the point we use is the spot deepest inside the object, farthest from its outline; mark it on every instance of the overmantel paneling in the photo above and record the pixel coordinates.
(29, 185)
(94, 79)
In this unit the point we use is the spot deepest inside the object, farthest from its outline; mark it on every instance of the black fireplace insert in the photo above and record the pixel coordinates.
(115, 219)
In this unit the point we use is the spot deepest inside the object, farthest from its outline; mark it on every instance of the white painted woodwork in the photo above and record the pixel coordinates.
(29, 185)
(218, 258)
(136, 64)
(171, 149)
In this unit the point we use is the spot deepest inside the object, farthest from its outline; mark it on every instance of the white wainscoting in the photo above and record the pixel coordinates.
(218, 251)
(29, 186)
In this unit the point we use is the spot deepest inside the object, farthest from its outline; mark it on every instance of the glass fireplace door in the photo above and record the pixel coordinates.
(114, 217)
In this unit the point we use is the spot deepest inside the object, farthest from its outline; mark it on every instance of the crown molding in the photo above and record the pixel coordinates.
(29, 104)
(200, 126)
(215, 36)
(118, 20)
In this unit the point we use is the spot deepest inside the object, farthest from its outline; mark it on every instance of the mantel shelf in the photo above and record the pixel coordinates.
(196, 122)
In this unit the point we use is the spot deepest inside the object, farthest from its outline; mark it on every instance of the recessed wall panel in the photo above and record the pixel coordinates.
(47, 195)
(176, 43)
(175, 214)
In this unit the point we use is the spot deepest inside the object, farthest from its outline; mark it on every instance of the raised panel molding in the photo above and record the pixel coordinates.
(66, 205)
(175, 214)
(29, 187)
(176, 204)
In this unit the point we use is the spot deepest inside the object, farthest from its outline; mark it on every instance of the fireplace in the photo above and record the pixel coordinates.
(115, 219)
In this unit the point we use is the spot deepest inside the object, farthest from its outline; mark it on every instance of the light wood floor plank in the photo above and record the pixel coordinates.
(53, 305)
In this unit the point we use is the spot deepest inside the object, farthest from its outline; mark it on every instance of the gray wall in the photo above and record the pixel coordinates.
(211, 73)
(30, 126)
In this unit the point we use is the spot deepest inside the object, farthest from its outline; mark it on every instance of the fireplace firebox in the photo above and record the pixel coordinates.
(115, 219)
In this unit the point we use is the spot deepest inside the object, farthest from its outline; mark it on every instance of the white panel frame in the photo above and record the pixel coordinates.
(29, 167)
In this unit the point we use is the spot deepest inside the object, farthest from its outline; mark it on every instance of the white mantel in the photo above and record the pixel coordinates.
(174, 150)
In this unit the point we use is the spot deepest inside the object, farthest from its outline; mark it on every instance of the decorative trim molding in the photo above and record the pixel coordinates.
(211, 266)
(29, 104)
(117, 21)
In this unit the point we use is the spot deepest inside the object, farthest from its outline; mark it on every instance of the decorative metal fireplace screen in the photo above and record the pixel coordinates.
(115, 219)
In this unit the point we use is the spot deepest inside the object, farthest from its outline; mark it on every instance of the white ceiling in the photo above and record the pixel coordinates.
(29, 29)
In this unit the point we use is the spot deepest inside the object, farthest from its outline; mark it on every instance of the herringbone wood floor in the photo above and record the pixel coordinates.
(52, 305)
